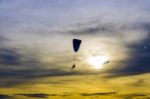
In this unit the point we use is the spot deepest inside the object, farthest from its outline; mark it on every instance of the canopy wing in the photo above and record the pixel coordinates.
(76, 44)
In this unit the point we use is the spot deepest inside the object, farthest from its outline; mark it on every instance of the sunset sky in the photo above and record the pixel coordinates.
(36, 52)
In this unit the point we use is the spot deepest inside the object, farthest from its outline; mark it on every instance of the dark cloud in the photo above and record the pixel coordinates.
(108, 28)
(43, 95)
(53, 94)
(115, 94)
(139, 60)
(89, 30)
(144, 26)
(65, 95)
(38, 72)
(61, 95)
(133, 95)
(17, 77)
(9, 57)
(98, 94)
(4, 96)
(36, 95)
(95, 27)
(139, 55)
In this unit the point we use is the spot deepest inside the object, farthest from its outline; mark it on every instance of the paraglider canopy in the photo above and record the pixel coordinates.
(76, 44)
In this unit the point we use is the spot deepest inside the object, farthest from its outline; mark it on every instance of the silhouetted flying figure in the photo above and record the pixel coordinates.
(76, 45)
(73, 66)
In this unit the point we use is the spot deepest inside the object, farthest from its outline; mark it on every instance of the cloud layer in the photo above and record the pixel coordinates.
(36, 37)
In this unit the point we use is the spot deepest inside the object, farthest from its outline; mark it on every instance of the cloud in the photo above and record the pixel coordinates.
(116, 95)
(91, 28)
(109, 32)
(42, 95)
(17, 77)
(39, 37)
(134, 39)
(138, 62)
(128, 32)
(22, 58)
(4, 96)
(133, 95)
(98, 94)
(9, 57)
(36, 95)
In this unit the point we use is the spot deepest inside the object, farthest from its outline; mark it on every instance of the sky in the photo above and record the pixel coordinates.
(36, 49)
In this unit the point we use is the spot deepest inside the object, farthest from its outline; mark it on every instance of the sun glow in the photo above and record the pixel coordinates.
(97, 61)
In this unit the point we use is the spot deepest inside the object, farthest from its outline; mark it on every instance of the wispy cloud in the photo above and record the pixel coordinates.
(98, 94)
(36, 95)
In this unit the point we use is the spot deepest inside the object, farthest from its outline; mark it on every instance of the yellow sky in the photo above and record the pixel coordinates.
(83, 87)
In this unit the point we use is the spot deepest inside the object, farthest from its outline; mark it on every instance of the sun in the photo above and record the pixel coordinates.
(97, 61)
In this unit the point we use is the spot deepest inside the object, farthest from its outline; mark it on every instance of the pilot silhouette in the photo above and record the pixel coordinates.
(73, 66)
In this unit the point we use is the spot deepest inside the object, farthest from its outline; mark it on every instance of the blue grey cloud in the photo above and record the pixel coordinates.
(9, 57)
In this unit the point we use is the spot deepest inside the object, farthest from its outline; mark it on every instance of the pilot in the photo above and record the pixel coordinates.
(73, 66)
